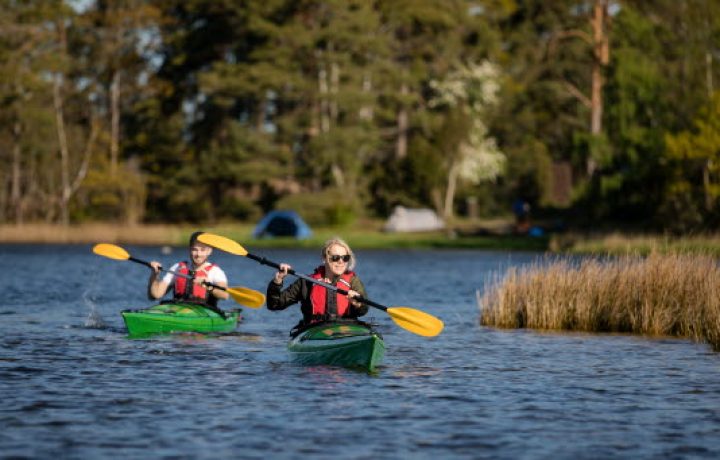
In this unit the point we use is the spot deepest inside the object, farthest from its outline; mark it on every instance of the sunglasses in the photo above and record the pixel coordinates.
(337, 258)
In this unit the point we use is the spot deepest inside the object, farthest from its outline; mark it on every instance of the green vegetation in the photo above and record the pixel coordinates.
(367, 233)
(365, 236)
(620, 244)
(674, 295)
(201, 112)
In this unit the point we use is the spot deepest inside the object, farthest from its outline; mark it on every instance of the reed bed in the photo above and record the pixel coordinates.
(659, 295)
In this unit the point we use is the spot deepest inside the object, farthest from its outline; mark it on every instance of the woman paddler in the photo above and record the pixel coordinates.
(318, 303)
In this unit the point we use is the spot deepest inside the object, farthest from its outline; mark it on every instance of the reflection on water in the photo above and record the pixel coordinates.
(74, 385)
(406, 371)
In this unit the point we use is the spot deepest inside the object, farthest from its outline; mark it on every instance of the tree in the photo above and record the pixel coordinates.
(699, 151)
(469, 93)
(597, 39)
(115, 39)
(36, 43)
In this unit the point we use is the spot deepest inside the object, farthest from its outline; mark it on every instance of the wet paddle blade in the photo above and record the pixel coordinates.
(111, 251)
(223, 243)
(246, 296)
(416, 321)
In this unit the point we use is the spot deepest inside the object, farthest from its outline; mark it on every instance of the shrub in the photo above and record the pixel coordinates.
(330, 207)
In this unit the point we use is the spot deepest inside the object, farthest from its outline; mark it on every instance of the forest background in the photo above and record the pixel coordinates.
(598, 113)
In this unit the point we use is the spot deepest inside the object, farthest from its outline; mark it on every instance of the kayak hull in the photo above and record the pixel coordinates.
(345, 344)
(178, 317)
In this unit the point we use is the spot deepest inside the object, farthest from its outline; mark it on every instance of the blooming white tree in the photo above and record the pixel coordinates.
(472, 89)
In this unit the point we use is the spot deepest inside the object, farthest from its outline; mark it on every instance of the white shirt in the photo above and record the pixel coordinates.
(215, 275)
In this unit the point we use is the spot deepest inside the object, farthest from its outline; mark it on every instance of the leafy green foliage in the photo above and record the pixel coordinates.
(341, 109)
(331, 207)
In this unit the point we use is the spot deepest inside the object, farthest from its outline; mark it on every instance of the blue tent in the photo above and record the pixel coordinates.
(282, 223)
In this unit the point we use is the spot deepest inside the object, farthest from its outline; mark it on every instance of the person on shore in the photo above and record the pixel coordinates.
(190, 290)
(521, 209)
(318, 303)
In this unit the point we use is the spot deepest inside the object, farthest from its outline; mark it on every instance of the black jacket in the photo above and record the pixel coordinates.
(299, 291)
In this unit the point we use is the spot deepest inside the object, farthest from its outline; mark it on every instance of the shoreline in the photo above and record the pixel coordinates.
(478, 235)
(365, 235)
(90, 233)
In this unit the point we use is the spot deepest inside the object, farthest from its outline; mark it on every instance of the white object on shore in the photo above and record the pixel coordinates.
(413, 220)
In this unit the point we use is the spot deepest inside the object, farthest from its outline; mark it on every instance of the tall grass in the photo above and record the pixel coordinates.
(676, 295)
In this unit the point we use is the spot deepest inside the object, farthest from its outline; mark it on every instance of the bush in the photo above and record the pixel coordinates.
(106, 197)
(330, 207)
(239, 209)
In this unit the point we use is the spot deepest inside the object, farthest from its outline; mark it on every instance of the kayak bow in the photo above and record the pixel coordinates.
(345, 344)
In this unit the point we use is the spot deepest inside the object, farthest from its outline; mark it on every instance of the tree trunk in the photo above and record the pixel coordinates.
(15, 192)
(114, 122)
(261, 114)
(708, 74)
(600, 61)
(334, 114)
(450, 191)
(64, 154)
(323, 90)
(366, 111)
(334, 85)
(402, 127)
(68, 188)
(709, 201)
(338, 175)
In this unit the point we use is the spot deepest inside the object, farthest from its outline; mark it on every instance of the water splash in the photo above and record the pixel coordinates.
(94, 320)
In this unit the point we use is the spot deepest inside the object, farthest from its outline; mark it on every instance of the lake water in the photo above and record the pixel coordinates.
(74, 386)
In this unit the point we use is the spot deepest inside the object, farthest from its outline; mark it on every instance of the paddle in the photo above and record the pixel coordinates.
(415, 321)
(242, 295)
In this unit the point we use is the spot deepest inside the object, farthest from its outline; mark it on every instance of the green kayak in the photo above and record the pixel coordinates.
(178, 317)
(346, 344)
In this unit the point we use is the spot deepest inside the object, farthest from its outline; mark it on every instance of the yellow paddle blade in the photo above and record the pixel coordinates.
(246, 296)
(111, 251)
(416, 321)
(223, 243)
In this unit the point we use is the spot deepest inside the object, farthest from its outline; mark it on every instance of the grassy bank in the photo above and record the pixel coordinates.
(620, 244)
(92, 233)
(366, 235)
(661, 295)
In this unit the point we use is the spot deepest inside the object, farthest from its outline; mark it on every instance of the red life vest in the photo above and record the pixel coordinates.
(185, 289)
(318, 294)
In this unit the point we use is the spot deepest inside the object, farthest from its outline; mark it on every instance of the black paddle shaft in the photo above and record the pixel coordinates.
(147, 264)
(329, 286)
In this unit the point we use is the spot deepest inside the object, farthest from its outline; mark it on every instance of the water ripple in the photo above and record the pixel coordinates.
(75, 386)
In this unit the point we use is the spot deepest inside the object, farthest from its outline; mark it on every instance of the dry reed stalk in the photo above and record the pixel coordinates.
(676, 295)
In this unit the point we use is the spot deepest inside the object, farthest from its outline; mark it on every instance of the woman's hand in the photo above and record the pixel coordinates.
(351, 295)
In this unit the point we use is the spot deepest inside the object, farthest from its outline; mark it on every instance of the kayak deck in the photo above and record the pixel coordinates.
(178, 317)
(345, 344)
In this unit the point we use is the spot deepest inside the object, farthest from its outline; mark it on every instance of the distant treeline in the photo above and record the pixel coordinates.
(210, 110)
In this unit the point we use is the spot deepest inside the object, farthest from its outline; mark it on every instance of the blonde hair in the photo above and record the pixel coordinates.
(339, 242)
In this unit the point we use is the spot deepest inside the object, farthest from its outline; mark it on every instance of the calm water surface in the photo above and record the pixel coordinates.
(74, 386)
